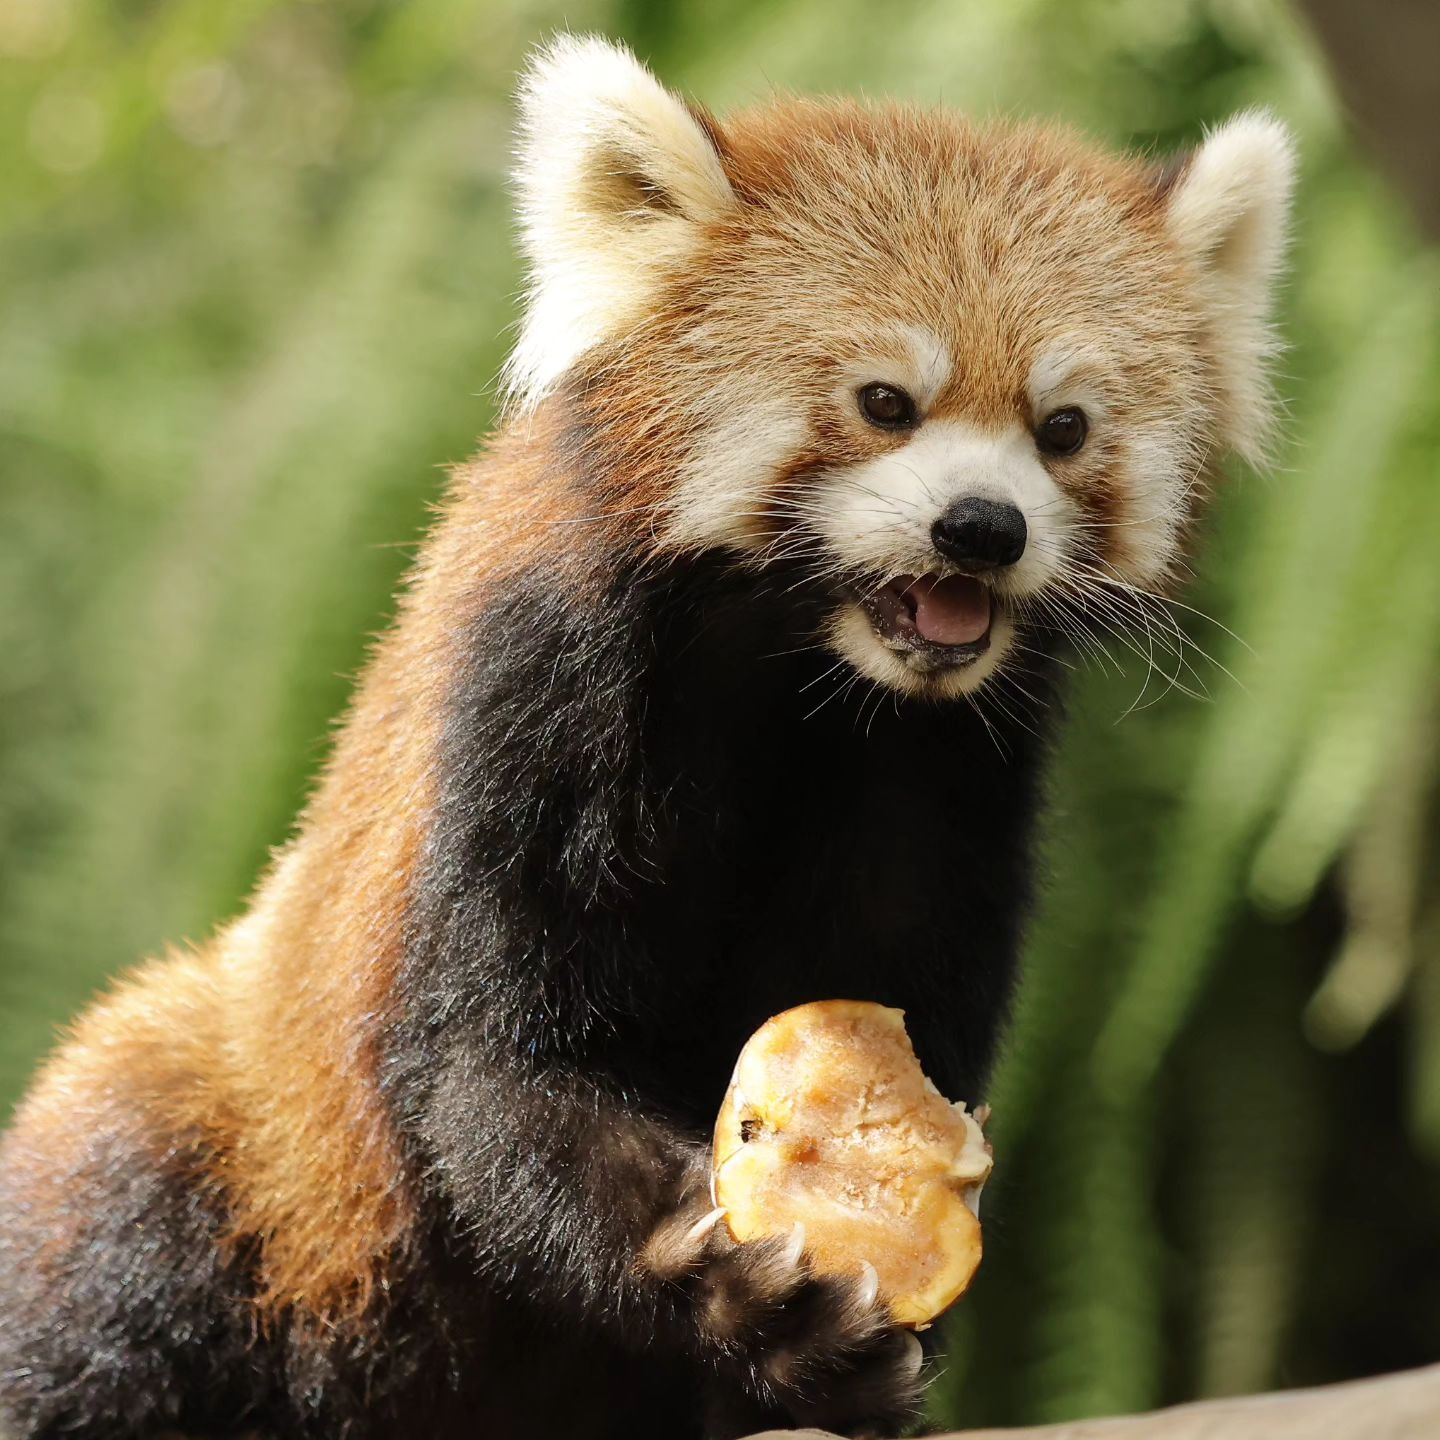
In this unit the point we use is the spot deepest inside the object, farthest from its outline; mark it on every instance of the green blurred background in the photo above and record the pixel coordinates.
(256, 275)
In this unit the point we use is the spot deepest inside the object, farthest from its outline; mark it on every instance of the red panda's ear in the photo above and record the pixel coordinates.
(1228, 209)
(616, 178)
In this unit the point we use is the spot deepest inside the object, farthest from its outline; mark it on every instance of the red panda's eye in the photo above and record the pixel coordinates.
(1062, 433)
(887, 406)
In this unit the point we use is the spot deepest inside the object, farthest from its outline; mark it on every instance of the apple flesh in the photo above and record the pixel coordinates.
(832, 1135)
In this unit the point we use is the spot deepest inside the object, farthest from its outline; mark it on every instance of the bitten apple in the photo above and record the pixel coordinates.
(831, 1133)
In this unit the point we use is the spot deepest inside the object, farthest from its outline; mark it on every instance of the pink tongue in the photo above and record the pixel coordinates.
(952, 611)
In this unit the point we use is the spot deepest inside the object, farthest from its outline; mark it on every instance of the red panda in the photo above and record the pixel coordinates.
(704, 698)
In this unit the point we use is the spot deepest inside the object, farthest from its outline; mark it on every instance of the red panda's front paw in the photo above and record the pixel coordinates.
(819, 1350)
(787, 1346)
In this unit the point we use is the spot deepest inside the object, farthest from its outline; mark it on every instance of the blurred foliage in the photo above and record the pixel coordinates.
(257, 276)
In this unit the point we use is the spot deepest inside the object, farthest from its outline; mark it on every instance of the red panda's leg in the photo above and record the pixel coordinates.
(576, 1198)
(121, 1311)
(125, 1305)
(788, 1347)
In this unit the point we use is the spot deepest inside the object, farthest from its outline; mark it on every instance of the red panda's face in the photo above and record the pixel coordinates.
(966, 380)
(960, 447)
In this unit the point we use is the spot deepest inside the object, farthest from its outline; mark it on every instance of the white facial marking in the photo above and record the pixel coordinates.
(723, 487)
(852, 636)
(1142, 537)
(1145, 541)
(915, 358)
(878, 516)
(930, 363)
(1067, 374)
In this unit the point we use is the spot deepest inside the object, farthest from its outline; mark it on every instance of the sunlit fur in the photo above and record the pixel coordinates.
(754, 273)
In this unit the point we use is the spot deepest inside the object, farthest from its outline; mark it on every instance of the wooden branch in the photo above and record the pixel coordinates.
(1395, 1407)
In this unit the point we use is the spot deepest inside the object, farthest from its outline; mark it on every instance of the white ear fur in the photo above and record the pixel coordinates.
(616, 176)
(1229, 215)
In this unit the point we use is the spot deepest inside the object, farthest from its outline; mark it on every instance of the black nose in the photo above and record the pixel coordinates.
(980, 534)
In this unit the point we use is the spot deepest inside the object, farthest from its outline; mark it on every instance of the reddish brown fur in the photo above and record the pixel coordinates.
(147, 1048)
(260, 1047)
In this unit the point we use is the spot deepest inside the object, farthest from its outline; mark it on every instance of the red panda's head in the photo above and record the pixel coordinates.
(959, 373)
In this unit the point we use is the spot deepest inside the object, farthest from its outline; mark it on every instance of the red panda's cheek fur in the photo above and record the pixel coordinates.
(1141, 475)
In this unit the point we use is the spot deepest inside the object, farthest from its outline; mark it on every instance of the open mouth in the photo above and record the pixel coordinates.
(937, 620)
